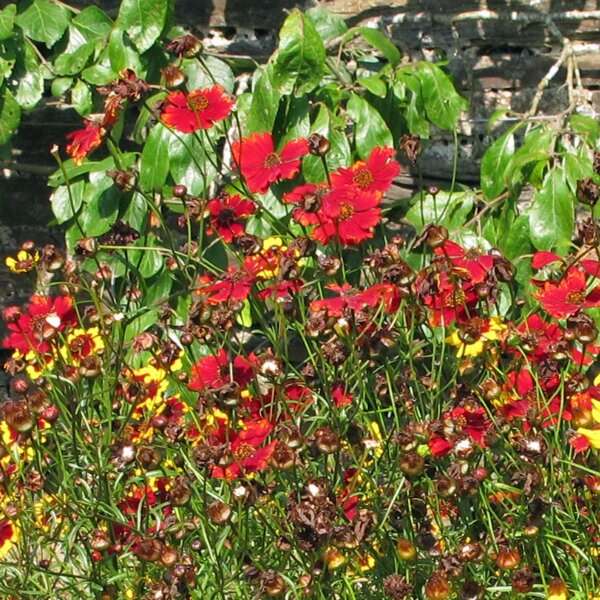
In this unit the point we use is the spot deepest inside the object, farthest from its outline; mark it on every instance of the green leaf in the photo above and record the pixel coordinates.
(102, 72)
(64, 204)
(374, 84)
(299, 62)
(188, 163)
(81, 98)
(577, 166)
(154, 166)
(380, 42)
(10, 115)
(494, 163)
(449, 210)
(76, 55)
(516, 242)
(586, 126)
(60, 86)
(265, 103)
(93, 23)
(442, 103)
(536, 148)
(551, 217)
(44, 21)
(370, 128)
(143, 20)
(198, 76)
(7, 21)
(415, 111)
(30, 88)
(101, 211)
(328, 25)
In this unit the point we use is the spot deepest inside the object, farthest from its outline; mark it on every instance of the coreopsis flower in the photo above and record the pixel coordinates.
(23, 263)
(471, 263)
(216, 371)
(259, 163)
(348, 215)
(308, 198)
(247, 451)
(372, 175)
(43, 319)
(234, 285)
(569, 295)
(199, 109)
(350, 298)
(473, 337)
(83, 141)
(9, 536)
(80, 344)
(226, 215)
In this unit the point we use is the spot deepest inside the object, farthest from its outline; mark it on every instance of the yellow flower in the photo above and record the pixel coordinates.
(9, 536)
(23, 263)
(593, 436)
(495, 328)
(81, 343)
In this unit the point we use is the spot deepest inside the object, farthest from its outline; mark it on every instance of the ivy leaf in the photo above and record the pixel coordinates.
(44, 21)
(143, 20)
(154, 166)
(494, 163)
(442, 103)
(299, 63)
(551, 217)
(7, 21)
(370, 128)
(10, 115)
(380, 42)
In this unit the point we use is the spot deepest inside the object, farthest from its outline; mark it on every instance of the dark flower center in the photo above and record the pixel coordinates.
(198, 103)
(226, 217)
(272, 160)
(243, 451)
(363, 178)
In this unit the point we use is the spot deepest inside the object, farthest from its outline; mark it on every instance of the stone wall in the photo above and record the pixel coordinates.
(499, 52)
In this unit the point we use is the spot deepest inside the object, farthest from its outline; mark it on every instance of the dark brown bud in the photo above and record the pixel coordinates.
(318, 145)
(522, 581)
(148, 550)
(185, 46)
(173, 77)
(272, 584)
(435, 235)
(396, 587)
(329, 264)
(283, 457)
(596, 165)
(18, 416)
(437, 588)
(219, 512)
(507, 558)
(470, 552)
(149, 457)
(86, 247)
(99, 540)
(180, 492)
(411, 145)
(412, 464)
(168, 556)
(588, 191)
(124, 180)
(327, 441)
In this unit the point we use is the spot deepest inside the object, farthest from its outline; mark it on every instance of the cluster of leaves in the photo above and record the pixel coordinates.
(254, 374)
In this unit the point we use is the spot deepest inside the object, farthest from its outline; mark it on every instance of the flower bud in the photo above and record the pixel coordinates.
(180, 191)
(412, 464)
(557, 590)
(437, 588)
(219, 512)
(148, 550)
(272, 584)
(173, 77)
(507, 558)
(99, 540)
(334, 559)
(327, 441)
(318, 145)
(406, 549)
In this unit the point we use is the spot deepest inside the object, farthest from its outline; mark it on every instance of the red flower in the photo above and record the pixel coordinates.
(83, 141)
(356, 300)
(340, 396)
(235, 285)
(472, 421)
(373, 175)
(197, 110)
(215, 372)
(44, 318)
(349, 215)
(309, 198)
(569, 295)
(466, 262)
(261, 166)
(225, 215)
(246, 451)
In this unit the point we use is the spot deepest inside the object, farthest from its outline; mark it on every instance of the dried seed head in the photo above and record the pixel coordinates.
(318, 145)
(326, 440)
(507, 558)
(522, 581)
(148, 550)
(437, 587)
(219, 512)
(396, 587)
(272, 584)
